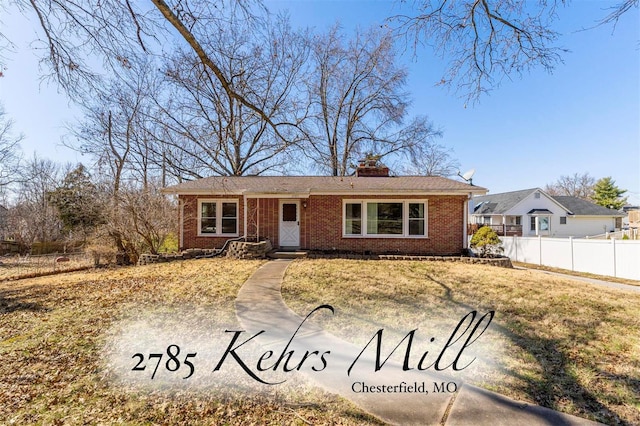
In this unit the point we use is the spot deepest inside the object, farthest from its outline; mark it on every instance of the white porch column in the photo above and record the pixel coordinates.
(246, 213)
(465, 224)
(504, 225)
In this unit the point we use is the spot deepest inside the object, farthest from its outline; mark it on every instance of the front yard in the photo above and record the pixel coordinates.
(52, 336)
(557, 343)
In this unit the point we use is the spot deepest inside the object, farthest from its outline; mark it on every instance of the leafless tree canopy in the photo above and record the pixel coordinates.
(32, 218)
(576, 185)
(9, 150)
(218, 134)
(358, 103)
(618, 10)
(485, 41)
(428, 157)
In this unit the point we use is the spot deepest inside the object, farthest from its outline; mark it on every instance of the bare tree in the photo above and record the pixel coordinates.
(117, 131)
(76, 34)
(576, 185)
(208, 131)
(9, 150)
(427, 156)
(486, 41)
(618, 10)
(358, 102)
(119, 125)
(33, 218)
(149, 218)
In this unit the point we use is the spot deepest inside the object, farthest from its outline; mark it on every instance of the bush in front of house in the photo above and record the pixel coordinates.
(486, 242)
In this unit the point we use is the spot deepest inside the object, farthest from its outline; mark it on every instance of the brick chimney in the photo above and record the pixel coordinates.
(371, 167)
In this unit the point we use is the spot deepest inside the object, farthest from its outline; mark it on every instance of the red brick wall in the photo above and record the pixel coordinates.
(445, 217)
(321, 225)
(190, 238)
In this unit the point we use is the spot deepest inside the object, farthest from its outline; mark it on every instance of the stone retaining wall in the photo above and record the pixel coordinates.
(248, 250)
(147, 259)
(503, 262)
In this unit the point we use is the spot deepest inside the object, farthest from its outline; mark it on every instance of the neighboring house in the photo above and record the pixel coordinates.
(371, 212)
(632, 218)
(533, 212)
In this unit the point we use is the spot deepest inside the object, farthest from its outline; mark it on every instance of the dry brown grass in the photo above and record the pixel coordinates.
(14, 267)
(53, 331)
(566, 345)
(578, 274)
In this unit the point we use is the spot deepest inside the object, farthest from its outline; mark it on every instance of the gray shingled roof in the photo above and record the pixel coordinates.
(581, 207)
(321, 184)
(500, 203)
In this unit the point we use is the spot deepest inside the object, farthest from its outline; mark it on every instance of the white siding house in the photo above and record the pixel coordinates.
(532, 212)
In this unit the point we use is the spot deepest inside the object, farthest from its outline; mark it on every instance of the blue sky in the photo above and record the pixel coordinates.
(584, 117)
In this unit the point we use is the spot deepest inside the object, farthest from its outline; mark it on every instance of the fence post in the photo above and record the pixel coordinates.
(613, 243)
(540, 250)
(571, 249)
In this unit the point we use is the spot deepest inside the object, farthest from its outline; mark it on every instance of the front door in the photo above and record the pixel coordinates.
(289, 223)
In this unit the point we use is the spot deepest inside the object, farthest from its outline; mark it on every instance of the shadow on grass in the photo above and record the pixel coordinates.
(557, 381)
(22, 299)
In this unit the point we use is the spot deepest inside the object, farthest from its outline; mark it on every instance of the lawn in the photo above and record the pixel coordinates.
(561, 344)
(53, 332)
(553, 342)
(12, 267)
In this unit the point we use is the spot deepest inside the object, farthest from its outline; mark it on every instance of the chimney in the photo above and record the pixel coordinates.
(371, 167)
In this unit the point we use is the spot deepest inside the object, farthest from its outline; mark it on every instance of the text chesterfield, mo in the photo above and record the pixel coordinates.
(451, 354)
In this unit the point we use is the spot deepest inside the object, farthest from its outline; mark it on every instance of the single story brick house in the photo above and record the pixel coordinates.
(371, 212)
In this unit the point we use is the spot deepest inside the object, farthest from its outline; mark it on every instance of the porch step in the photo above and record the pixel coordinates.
(279, 254)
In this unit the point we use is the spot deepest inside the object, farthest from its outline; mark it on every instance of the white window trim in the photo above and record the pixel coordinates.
(218, 202)
(405, 218)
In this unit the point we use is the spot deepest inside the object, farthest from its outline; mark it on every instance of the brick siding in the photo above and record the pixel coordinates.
(321, 225)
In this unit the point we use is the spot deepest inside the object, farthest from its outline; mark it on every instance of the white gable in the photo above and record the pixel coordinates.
(543, 202)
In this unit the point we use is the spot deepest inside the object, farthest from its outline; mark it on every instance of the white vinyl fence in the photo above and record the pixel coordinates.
(615, 258)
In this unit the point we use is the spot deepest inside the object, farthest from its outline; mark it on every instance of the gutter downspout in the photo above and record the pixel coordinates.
(465, 237)
(181, 220)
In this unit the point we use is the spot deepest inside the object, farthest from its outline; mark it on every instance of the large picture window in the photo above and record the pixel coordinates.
(385, 218)
(217, 218)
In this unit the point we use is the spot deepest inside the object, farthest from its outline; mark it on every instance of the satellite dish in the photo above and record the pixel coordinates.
(468, 175)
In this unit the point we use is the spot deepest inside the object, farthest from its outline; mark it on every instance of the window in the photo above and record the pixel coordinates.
(563, 220)
(217, 217)
(229, 218)
(385, 218)
(543, 223)
(289, 212)
(416, 219)
(536, 195)
(353, 219)
(208, 218)
(518, 220)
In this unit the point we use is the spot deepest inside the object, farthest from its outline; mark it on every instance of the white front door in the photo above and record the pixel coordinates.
(289, 223)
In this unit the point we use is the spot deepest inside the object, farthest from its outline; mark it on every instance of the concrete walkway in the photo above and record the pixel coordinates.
(259, 306)
(594, 281)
